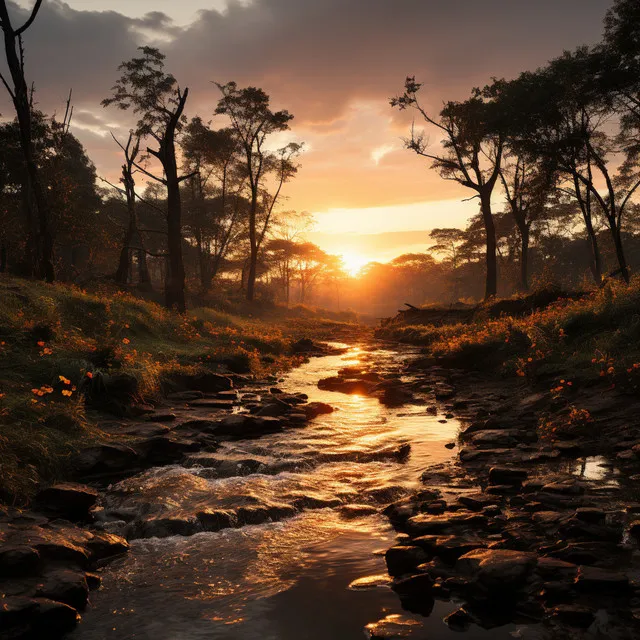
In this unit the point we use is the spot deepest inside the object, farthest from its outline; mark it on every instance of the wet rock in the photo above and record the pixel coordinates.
(566, 488)
(552, 568)
(185, 396)
(450, 445)
(67, 500)
(424, 524)
(370, 582)
(36, 618)
(347, 385)
(557, 592)
(573, 615)
(448, 548)
(353, 511)
(206, 382)
(507, 475)
(274, 408)
(106, 545)
(416, 585)
(495, 439)
(578, 529)
(241, 425)
(404, 559)
(587, 553)
(93, 580)
(497, 569)
(215, 520)
(167, 527)
(106, 459)
(212, 403)
(393, 627)
(459, 620)
(65, 585)
(18, 560)
(315, 409)
(601, 581)
(477, 501)
(147, 430)
(591, 515)
(165, 449)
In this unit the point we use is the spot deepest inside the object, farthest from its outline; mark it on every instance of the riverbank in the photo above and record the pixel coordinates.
(68, 356)
(537, 523)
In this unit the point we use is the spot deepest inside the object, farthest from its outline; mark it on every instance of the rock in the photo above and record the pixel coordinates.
(477, 501)
(167, 527)
(106, 545)
(67, 500)
(347, 385)
(448, 548)
(215, 520)
(212, 403)
(185, 396)
(65, 585)
(161, 417)
(242, 425)
(315, 409)
(147, 430)
(573, 615)
(370, 582)
(450, 445)
(554, 568)
(601, 581)
(393, 627)
(36, 618)
(419, 584)
(557, 592)
(507, 475)
(112, 393)
(497, 569)
(274, 408)
(459, 620)
(425, 524)
(93, 580)
(106, 459)
(494, 439)
(18, 560)
(404, 559)
(591, 515)
(567, 488)
(165, 449)
(206, 382)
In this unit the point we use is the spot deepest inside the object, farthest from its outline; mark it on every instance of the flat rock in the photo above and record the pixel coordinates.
(65, 585)
(601, 581)
(573, 615)
(36, 618)
(404, 559)
(393, 627)
(18, 560)
(497, 568)
(507, 475)
(67, 500)
(370, 582)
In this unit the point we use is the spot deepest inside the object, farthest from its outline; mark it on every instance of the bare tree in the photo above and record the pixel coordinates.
(159, 101)
(37, 208)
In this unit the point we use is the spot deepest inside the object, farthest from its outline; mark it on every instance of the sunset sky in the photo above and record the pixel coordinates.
(332, 63)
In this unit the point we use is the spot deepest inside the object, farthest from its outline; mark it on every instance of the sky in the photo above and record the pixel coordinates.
(334, 64)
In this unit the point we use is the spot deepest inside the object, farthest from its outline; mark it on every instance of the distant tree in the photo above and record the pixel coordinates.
(40, 239)
(449, 242)
(472, 154)
(156, 98)
(255, 124)
(214, 193)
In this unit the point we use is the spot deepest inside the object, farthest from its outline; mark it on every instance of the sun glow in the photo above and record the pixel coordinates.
(353, 263)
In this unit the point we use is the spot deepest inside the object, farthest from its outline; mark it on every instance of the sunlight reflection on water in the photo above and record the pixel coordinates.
(286, 580)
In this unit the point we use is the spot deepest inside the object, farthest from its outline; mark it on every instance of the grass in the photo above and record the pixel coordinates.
(596, 337)
(55, 338)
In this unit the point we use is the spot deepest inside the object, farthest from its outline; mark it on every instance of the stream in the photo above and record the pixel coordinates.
(288, 579)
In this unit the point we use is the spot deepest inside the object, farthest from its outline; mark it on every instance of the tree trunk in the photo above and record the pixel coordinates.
(622, 261)
(596, 262)
(253, 242)
(174, 287)
(524, 258)
(491, 286)
(38, 212)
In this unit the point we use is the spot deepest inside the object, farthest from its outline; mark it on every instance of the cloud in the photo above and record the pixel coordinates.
(332, 63)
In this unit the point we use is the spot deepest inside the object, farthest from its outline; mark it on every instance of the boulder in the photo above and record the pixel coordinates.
(573, 615)
(507, 475)
(67, 500)
(315, 409)
(36, 618)
(106, 459)
(601, 581)
(18, 560)
(106, 545)
(404, 559)
(65, 585)
(497, 569)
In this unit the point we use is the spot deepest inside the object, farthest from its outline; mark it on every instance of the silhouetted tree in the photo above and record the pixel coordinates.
(255, 123)
(156, 97)
(38, 214)
(472, 154)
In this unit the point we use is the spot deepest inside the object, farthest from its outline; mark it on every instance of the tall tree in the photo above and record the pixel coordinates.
(255, 123)
(472, 154)
(37, 208)
(157, 99)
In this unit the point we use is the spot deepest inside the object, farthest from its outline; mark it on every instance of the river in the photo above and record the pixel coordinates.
(289, 579)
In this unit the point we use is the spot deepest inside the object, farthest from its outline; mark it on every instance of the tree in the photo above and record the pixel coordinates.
(156, 97)
(132, 242)
(449, 242)
(472, 154)
(214, 199)
(254, 123)
(40, 243)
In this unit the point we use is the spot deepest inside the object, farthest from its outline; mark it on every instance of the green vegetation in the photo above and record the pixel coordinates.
(570, 341)
(56, 339)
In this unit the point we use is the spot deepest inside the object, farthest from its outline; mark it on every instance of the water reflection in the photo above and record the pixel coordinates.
(281, 580)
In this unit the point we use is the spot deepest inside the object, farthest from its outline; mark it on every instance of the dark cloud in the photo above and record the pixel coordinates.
(317, 58)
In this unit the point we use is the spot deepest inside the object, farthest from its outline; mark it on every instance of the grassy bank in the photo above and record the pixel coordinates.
(570, 341)
(56, 339)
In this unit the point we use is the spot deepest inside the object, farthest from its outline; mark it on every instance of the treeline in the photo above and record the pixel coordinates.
(210, 202)
(560, 145)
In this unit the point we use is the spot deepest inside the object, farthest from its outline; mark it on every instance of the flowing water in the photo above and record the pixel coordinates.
(288, 579)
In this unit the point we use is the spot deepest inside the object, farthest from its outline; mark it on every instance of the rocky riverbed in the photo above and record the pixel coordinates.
(366, 492)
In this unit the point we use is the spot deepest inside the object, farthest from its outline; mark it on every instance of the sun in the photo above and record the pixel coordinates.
(353, 263)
